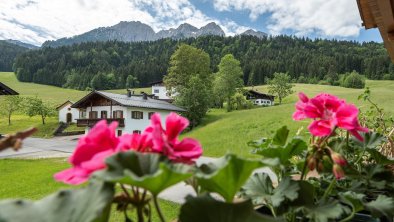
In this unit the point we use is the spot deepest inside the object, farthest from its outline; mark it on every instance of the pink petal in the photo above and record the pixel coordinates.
(299, 115)
(71, 176)
(188, 149)
(175, 124)
(97, 162)
(303, 97)
(320, 128)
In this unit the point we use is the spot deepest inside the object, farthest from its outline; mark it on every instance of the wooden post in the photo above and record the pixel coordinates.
(111, 109)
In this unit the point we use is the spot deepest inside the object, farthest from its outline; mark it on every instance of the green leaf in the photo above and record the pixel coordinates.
(144, 170)
(324, 212)
(280, 136)
(306, 194)
(207, 209)
(259, 188)
(287, 189)
(91, 203)
(353, 199)
(382, 206)
(278, 147)
(295, 147)
(226, 175)
(371, 140)
(378, 157)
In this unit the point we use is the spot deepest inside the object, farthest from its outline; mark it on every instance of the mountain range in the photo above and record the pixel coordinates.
(136, 31)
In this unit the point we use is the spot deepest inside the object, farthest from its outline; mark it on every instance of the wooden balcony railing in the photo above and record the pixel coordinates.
(92, 122)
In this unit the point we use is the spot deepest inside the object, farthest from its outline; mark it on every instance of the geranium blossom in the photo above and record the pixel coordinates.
(328, 112)
(90, 153)
(101, 142)
(165, 141)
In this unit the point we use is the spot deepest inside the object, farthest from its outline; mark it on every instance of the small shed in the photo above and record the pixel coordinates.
(67, 114)
(260, 98)
(5, 90)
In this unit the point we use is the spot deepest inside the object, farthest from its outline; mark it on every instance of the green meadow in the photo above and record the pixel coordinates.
(221, 131)
(33, 179)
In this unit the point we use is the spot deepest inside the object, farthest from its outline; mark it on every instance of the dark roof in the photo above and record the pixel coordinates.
(5, 90)
(259, 93)
(133, 101)
(156, 82)
(61, 105)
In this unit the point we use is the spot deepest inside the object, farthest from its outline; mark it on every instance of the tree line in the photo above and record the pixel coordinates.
(109, 65)
(8, 52)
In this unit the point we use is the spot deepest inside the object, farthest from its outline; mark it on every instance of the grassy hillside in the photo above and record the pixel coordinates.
(220, 132)
(229, 132)
(53, 94)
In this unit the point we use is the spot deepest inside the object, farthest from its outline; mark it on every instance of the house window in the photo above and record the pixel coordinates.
(69, 109)
(93, 115)
(118, 114)
(104, 115)
(156, 91)
(137, 115)
(82, 114)
(136, 132)
(150, 114)
(119, 132)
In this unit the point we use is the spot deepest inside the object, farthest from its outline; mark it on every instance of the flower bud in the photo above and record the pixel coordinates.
(338, 158)
(338, 171)
(320, 167)
(311, 163)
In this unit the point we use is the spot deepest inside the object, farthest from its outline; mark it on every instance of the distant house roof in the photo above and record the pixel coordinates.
(132, 101)
(260, 95)
(157, 83)
(5, 90)
(63, 104)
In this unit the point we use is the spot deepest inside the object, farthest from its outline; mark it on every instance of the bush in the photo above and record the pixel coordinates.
(388, 77)
(302, 79)
(323, 82)
(313, 80)
(354, 80)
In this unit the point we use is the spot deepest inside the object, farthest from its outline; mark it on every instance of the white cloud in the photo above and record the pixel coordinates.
(35, 21)
(333, 18)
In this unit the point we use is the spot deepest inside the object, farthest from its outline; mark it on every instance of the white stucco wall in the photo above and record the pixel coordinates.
(162, 92)
(263, 102)
(130, 124)
(67, 109)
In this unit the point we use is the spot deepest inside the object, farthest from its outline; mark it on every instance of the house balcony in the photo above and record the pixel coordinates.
(92, 122)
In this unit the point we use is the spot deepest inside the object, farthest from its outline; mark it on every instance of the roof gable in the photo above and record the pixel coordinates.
(64, 104)
(5, 90)
(124, 100)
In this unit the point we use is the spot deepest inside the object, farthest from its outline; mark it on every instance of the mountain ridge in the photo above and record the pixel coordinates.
(136, 31)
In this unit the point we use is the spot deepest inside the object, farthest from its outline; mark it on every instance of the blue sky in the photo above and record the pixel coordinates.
(35, 21)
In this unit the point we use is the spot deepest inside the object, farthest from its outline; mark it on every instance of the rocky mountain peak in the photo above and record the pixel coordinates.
(211, 29)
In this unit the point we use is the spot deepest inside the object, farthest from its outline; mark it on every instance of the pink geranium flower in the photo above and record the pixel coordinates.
(90, 153)
(328, 112)
(165, 141)
(101, 142)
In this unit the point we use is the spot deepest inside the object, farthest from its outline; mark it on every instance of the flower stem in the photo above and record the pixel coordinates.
(329, 189)
(304, 168)
(158, 208)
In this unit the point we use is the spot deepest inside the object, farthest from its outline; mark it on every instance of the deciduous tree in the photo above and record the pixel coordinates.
(228, 79)
(190, 76)
(10, 104)
(36, 106)
(280, 85)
